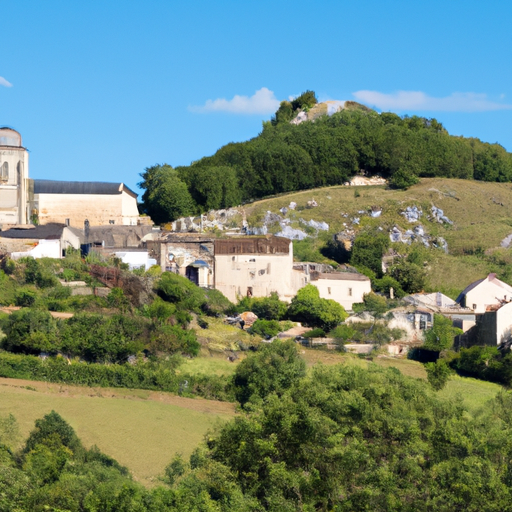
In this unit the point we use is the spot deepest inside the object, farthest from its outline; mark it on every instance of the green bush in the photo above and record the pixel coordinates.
(308, 307)
(314, 333)
(368, 249)
(403, 179)
(274, 368)
(217, 303)
(266, 328)
(182, 292)
(438, 374)
(441, 335)
(342, 333)
(269, 308)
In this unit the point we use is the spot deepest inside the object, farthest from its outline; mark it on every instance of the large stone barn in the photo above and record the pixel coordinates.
(74, 202)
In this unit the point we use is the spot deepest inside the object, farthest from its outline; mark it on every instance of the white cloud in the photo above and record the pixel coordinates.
(4, 82)
(417, 100)
(262, 101)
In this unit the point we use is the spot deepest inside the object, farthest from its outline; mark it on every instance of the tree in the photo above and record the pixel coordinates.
(214, 187)
(438, 374)
(412, 277)
(440, 336)
(273, 369)
(269, 308)
(166, 196)
(403, 179)
(368, 249)
(52, 424)
(308, 307)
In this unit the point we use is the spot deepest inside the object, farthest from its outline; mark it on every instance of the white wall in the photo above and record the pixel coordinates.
(504, 323)
(346, 292)
(99, 209)
(486, 293)
(263, 273)
(44, 249)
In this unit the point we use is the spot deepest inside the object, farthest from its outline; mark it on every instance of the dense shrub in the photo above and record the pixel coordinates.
(274, 368)
(266, 328)
(314, 333)
(308, 307)
(441, 335)
(180, 291)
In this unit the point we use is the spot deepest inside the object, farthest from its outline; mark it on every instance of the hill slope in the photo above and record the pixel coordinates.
(481, 213)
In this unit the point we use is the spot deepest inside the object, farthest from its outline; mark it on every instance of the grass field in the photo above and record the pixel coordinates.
(140, 429)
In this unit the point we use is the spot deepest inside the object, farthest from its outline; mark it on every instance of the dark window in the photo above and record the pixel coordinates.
(4, 171)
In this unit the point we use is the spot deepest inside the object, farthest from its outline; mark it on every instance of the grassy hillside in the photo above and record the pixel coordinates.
(481, 213)
(140, 429)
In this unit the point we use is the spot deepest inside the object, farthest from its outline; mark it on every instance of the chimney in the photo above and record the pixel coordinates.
(491, 277)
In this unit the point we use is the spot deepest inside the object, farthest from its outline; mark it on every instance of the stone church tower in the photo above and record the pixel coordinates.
(14, 181)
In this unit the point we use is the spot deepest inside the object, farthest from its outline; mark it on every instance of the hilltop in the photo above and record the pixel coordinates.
(309, 144)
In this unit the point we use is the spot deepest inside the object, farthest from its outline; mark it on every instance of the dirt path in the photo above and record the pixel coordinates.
(65, 390)
(55, 314)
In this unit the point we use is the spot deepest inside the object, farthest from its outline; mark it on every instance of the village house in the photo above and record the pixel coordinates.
(48, 241)
(346, 288)
(485, 292)
(188, 254)
(254, 267)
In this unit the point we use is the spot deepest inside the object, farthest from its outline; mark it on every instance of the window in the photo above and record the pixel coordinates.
(4, 171)
(474, 306)
(350, 292)
(252, 260)
(329, 291)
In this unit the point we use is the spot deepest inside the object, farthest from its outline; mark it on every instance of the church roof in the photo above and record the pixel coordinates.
(79, 187)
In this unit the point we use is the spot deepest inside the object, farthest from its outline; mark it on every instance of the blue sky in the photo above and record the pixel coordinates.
(102, 89)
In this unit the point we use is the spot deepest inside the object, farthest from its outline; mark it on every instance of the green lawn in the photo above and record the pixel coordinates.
(475, 393)
(140, 429)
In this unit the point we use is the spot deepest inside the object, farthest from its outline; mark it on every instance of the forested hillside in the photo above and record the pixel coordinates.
(327, 151)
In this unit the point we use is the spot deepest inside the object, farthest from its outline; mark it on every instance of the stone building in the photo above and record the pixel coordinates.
(188, 254)
(73, 202)
(254, 267)
(26, 201)
(14, 186)
(346, 288)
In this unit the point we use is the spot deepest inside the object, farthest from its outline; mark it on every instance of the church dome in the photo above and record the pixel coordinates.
(9, 137)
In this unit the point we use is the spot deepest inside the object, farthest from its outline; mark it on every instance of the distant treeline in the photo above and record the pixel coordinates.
(328, 151)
